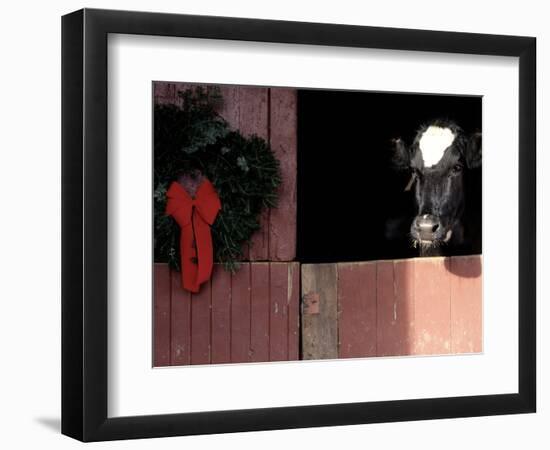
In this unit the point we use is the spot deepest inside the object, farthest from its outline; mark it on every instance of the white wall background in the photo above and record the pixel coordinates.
(30, 226)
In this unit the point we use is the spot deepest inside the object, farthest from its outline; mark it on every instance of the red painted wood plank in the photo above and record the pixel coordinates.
(161, 321)
(278, 315)
(229, 110)
(253, 120)
(293, 311)
(283, 140)
(164, 92)
(432, 306)
(395, 302)
(181, 322)
(240, 314)
(200, 325)
(168, 93)
(246, 110)
(259, 312)
(259, 243)
(466, 304)
(158, 88)
(253, 111)
(357, 310)
(221, 315)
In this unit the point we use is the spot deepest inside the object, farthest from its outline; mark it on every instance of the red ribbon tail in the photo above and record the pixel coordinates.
(196, 254)
(204, 249)
(188, 260)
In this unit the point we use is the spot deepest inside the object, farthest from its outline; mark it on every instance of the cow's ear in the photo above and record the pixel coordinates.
(401, 158)
(473, 151)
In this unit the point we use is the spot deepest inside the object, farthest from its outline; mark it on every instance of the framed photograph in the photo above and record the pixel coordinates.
(273, 224)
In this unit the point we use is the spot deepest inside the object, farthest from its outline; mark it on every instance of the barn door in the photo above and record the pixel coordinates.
(389, 308)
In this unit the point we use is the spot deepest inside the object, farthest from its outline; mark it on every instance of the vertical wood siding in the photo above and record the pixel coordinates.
(395, 307)
(259, 311)
(221, 316)
(320, 311)
(466, 306)
(388, 308)
(357, 291)
(269, 113)
(180, 319)
(251, 316)
(162, 316)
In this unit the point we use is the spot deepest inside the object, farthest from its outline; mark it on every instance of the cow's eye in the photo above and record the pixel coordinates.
(457, 168)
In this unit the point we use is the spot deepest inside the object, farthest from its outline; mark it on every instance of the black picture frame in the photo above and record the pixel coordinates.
(84, 224)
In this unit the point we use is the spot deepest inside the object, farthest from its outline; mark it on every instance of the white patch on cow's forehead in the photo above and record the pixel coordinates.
(433, 143)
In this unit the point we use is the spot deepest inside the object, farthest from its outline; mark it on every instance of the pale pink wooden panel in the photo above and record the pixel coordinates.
(357, 309)
(432, 333)
(395, 301)
(466, 304)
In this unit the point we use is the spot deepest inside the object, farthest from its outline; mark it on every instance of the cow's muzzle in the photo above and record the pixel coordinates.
(428, 229)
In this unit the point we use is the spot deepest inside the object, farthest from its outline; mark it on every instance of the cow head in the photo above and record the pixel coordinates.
(438, 159)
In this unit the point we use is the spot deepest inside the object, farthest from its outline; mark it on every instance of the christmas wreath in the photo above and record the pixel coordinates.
(193, 138)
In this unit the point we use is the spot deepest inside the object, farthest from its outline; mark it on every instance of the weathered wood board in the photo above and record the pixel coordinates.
(249, 316)
(162, 315)
(240, 315)
(180, 321)
(432, 307)
(221, 316)
(395, 307)
(283, 141)
(466, 307)
(259, 311)
(319, 311)
(422, 306)
(357, 293)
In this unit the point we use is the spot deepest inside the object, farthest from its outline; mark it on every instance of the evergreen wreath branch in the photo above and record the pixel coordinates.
(244, 171)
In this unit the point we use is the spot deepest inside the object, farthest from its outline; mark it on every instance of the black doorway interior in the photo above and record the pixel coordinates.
(347, 189)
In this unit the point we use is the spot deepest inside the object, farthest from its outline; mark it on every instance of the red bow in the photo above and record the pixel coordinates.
(194, 216)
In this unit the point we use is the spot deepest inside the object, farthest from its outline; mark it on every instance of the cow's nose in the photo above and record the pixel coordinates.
(426, 226)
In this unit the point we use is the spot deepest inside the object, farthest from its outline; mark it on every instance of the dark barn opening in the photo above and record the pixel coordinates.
(348, 192)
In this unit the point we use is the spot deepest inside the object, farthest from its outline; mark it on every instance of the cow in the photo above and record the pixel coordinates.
(443, 167)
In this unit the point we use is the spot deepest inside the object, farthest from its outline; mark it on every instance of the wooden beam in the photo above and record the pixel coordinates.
(319, 325)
